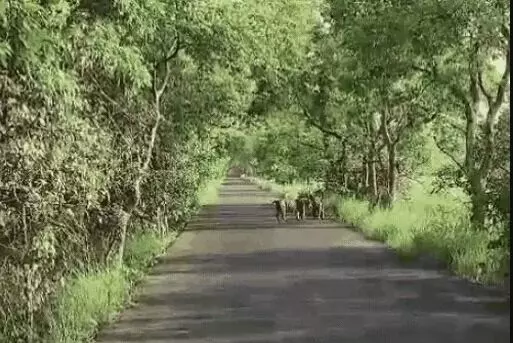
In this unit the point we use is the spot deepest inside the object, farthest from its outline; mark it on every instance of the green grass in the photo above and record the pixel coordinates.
(209, 194)
(437, 225)
(92, 299)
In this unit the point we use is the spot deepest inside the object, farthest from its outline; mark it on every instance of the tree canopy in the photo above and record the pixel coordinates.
(124, 109)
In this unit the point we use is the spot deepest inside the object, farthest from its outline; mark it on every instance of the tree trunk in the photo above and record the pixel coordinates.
(372, 162)
(478, 173)
(479, 201)
(125, 219)
(365, 173)
(344, 176)
(475, 177)
(157, 91)
(477, 198)
(391, 151)
(391, 179)
(329, 170)
(373, 179)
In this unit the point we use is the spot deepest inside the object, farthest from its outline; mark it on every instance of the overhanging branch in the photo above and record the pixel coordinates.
(312, 122)
(320, 127)
(448, 154)
(172, 53)
(435, 76)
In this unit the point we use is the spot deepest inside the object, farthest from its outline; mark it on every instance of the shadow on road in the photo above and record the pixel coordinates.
(338, 294)
(250, 217)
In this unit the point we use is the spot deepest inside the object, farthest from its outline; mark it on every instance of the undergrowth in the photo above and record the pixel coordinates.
(433, 224)
(209, 193)
(93, 299)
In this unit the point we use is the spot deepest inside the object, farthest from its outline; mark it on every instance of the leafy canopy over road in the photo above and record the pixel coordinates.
(115, 114)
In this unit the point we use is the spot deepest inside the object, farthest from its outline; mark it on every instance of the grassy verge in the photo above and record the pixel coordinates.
(437, 225)
(90, 300)
(94, 298)
(209, 193)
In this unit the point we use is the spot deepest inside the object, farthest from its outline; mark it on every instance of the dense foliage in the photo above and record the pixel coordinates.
(402, 106)
(114, 114)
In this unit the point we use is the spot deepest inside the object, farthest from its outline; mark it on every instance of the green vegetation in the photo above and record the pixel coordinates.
(436, 225)
(115, 117)
(93, 298)
(401, 115)
(209, 191)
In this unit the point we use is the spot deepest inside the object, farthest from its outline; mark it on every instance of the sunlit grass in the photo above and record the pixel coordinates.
(88, 300)
(209, 194)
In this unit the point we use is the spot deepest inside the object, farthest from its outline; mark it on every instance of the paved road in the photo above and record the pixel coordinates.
(237, 276)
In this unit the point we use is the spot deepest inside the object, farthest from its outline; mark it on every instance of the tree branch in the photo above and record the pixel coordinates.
(172, 53)
(311, 146)
(443, 150)
(311, 121)
(173, 50)
(223, 126)
(321, 128)
(425, 120)
(384, 127)
(485, 92)
(108, 97)
(458, 128)
(474, 69)
(380, 148)
(491, 119)
(507, 170)
(504, 83)
(423, 70)
(405, 175)
(435, 76)
(505, 31)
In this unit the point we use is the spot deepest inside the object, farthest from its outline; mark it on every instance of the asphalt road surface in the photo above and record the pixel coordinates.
(237, 276)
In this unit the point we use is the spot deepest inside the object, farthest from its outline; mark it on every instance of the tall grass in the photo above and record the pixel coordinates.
(434, 224)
